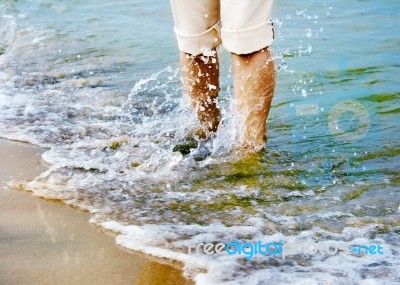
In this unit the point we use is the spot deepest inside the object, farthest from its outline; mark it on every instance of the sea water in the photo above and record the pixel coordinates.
(96, 83)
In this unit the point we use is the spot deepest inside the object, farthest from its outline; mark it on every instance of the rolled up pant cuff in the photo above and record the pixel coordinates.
(248, 40)
(198, 44)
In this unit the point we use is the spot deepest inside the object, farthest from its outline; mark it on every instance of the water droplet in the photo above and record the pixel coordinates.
(282, 66)
(278, 22)
(300, 11)
(308, 32)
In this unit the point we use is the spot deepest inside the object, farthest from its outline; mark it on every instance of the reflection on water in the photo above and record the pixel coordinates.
(160, 274)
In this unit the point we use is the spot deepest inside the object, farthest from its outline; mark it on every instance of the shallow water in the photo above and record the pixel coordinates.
(97, 84)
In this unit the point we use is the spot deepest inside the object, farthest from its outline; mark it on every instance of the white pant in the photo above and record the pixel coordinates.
(243, 26)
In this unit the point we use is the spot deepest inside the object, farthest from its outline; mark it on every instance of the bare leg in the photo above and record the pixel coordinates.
(200, 76)
(254, 84)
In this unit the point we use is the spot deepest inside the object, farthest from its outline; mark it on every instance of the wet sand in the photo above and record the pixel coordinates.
(45, 242)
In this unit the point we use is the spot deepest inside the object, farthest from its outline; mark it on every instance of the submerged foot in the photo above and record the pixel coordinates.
(184, 147)
(203, 151)
(197, 144)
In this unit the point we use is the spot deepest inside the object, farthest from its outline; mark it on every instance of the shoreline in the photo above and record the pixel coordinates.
(47, 242)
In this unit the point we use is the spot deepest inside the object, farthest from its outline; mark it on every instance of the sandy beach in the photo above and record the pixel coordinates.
(45, 242)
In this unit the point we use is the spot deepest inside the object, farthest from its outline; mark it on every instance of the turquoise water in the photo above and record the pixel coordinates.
(97, 84)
